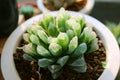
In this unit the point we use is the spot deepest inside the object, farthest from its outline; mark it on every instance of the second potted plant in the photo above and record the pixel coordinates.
(84, 6)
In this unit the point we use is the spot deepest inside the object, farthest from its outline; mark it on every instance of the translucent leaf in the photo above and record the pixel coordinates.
(63, 40)
(32, 29)
(80, 19)
(92, 36)
(72, 24)
(34, 39)
(54, 68)
(87, 36)
(47, 18)
(55, 49)
(41, 23)
(26, 37)
(93, 46)
(80, 68)
(77, 29)
(52, 30)
(43, 36)
(73, 44)
(29, 58)
(35, 28)
(78, 62)
(63, 60)
(29, 48)
(79, 65)
(70, 34)
(29, 30)
(81, 49)
(104, 64)
(42, 51)
(44, 62)
(56, 74)
(61, 18)
(52, 39)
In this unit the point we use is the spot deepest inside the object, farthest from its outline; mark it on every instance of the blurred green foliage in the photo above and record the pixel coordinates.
(115, 29)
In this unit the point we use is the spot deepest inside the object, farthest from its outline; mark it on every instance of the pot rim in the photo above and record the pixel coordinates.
(113, 60)
(86, 10)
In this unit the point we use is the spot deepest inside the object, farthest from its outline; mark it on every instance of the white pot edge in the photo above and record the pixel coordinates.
(86, 10)
(7, 63)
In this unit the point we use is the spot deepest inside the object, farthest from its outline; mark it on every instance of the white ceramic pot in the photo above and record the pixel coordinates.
(86, 10)
(110, 44)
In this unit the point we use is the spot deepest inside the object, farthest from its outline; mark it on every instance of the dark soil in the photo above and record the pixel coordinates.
(29, 70)
(76, 6)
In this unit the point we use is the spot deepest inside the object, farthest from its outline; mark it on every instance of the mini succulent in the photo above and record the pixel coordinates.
(27, 11)
(56, 42)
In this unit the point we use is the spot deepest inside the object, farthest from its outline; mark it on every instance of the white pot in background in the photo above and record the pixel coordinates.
(86, 9)
(109, 42)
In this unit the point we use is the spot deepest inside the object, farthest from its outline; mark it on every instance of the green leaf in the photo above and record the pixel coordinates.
(55, 49)
(79, 19)
(41, 23)
(75, 26)
(63, 60)
(32, 29)
(81, 49)
(47, 19)
(79, 65)
(42, 51)
(35, 28)
(52, 30)
(44, 62)
(92, 37)
(29, 58)
(70, 34)
(52, 39)
(26, 37)
(63, 40)
(78, 62)
(73, 44)
(87, 36)
(54, 68)
(43, 36)
(104, 64)
(56, 74)
(61, 18)
(80, 68)
(93, 46)
(34, 39)
(29, 49)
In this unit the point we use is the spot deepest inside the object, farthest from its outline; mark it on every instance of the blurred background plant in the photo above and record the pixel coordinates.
(115, 28)
(67, 4)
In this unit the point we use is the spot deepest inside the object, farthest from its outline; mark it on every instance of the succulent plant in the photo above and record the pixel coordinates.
(27, 11)
(63, 3)
(56, 42)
